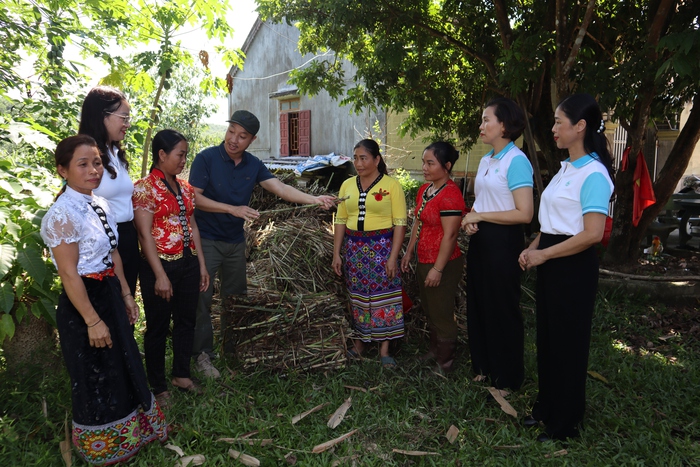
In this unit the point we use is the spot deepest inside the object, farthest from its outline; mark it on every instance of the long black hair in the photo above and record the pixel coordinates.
(373, 148)
(584, 107)
(166, 140)
(98, 103)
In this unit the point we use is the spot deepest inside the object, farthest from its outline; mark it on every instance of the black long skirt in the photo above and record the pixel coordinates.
(114, 413)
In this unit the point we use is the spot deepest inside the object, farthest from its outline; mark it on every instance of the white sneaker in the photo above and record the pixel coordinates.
(204, 366)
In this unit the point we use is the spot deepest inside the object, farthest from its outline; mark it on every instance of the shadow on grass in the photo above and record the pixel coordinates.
(645, 414)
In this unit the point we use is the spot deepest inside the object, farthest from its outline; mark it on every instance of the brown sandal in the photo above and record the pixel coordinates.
(192, 388)
(163, 400)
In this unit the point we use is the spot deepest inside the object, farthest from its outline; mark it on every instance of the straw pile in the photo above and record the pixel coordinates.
(295, 314)
(280, 332)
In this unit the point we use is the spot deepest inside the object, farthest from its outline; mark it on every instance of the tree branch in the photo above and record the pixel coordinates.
(485, 59)
(503, 23)
(579, 38)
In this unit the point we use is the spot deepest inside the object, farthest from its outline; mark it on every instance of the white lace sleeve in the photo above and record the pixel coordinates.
(60, 224)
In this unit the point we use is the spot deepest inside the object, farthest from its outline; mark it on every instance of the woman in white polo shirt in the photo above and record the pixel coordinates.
(503, 189)
(572, 218)
(105, 116)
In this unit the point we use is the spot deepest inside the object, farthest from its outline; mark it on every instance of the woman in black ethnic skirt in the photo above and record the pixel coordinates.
(114, 413)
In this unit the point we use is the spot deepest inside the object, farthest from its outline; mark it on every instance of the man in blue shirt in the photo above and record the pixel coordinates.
(224, 177)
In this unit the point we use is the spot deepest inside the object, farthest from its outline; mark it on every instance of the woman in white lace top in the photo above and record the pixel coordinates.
(114, 413)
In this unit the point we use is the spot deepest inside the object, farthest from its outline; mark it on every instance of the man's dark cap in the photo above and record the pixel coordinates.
(247, 120)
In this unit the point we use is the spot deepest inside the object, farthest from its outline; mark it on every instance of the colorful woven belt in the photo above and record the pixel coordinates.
(100, 275)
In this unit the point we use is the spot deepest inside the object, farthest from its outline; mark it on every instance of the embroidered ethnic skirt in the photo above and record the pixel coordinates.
(375, 300)
(114, 413)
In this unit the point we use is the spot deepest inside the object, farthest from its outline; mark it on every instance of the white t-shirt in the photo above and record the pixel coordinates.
(498, 176)
(580, 187)
(117, 191)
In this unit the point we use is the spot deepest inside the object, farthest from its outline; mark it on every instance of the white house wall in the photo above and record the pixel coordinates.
(271, 53)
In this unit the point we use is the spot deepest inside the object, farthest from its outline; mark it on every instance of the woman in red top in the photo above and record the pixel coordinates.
(439, 209)
(173, 270)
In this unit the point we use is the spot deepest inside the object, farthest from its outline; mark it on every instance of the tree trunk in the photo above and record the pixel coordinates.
(149, 133)
(625, 239)
(34, 343)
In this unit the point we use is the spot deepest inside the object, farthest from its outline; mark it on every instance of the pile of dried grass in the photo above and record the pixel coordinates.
(295, 315)
(270, 330)
(296, 254)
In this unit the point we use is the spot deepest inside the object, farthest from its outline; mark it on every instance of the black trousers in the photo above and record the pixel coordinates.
(184, 277)
(129, 252)
(494, 319)
(566, 290)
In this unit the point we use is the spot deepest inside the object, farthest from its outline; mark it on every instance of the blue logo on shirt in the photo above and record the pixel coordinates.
(567, 183)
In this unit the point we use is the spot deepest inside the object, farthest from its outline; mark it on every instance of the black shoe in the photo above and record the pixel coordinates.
(543, 438)
(530, 422)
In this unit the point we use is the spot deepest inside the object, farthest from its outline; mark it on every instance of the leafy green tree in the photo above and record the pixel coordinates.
(28, 280)
(160, 22)
(183, 106)
(442, 60)
(41, 90)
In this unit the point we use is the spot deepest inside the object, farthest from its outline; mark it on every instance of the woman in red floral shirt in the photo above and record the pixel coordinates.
(172, 272)
(439, 209)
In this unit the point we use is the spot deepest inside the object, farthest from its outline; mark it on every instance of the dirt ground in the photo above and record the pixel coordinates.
(672, 262)
(672, 320)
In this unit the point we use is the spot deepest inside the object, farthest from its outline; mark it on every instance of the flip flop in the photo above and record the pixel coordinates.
(192, 388)
(389, 363)
(352, 354)
(163, 400)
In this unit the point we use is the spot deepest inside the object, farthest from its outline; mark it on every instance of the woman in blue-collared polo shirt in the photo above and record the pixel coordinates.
(503, 189)
(572, 217)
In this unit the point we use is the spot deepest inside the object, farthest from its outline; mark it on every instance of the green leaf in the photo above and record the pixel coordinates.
(12, 230)
(19, 287)
(4, 215)
(20, 312)
(8, 254)
(45, 309)
(7, 297)
(7, 326)
(32, 262)
(11, 187)
(37, 291)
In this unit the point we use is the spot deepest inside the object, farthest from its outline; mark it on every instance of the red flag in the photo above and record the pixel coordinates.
(643, 189)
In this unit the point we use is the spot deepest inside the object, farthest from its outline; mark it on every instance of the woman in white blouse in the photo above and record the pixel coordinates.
(114, 413)
(105, 116)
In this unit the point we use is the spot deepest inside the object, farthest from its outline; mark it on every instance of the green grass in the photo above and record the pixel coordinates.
(647, 413)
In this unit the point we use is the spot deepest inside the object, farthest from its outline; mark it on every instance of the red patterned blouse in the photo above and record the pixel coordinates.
(447, 201)
(152, 195)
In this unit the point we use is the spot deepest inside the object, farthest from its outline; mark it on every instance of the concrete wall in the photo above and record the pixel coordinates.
(694, 164)
(406, 152)
(271, 54)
